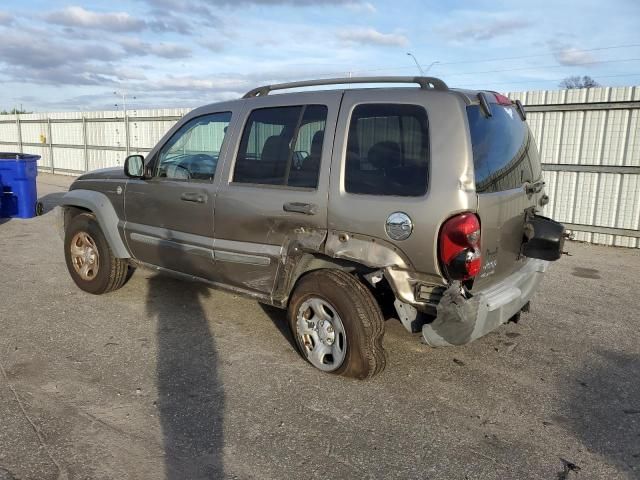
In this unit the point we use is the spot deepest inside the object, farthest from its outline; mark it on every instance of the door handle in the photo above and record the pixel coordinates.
(298, 207)
(193, 197)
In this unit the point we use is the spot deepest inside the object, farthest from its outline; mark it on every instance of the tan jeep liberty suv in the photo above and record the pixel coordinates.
(337, 205)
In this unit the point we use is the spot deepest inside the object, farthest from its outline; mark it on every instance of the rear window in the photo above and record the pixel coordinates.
(504, 151)
(387, 150)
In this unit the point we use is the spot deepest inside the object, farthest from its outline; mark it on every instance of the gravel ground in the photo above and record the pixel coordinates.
(164, 379)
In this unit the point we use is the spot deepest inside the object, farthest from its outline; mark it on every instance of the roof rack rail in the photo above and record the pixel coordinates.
(424, 82)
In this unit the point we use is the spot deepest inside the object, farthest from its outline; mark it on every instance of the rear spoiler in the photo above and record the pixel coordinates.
(521, 111)
(500, 100)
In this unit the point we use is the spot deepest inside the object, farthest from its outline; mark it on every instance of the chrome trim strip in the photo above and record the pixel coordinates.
(259, 249)
(235, 257)
(252, 258)
(183, 247)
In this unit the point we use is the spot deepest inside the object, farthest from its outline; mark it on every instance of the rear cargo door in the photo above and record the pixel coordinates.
(508, 180)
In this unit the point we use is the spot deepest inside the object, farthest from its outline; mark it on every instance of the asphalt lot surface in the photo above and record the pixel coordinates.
(166, 379)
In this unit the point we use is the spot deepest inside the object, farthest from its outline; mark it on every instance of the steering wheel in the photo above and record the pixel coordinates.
(201, 157)
(179, 172)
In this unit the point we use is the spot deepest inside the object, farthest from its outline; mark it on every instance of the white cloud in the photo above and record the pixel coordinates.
(135, 46)
(169, 50)
(212, 44)
(371, 36)
(191, 84)
(364, 7)
(21, 49)
(5, 18)
(126, 74)
(163, 22)
(81, 18)
(573, 56)
(482, 29)
(213, 3)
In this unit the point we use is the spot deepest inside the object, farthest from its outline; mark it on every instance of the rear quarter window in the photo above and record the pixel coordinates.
(505, 154)
(387, 150)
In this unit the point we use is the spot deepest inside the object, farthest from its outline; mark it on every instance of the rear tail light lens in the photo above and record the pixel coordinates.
(459, 247)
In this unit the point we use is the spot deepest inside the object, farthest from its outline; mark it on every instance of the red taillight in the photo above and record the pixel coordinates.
(502, 100)
(459, 247)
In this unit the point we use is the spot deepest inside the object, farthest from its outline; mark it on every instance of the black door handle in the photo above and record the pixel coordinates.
(193, 197)
(298, 207)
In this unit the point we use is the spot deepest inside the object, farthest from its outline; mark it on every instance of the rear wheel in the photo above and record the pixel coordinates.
(90, 261)
(337, 324)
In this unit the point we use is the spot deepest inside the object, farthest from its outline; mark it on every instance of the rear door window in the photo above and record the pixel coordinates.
(504, 151)
(307, 149)
(387, 150)
(282, 146)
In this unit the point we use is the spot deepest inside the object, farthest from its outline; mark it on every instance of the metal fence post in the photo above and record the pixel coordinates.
(126, 133)
(53, 170)
(19, 127)
(84, 141)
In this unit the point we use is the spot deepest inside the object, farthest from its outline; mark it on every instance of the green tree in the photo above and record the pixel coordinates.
(14, 111)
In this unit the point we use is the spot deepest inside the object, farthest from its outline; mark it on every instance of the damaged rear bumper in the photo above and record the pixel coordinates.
(461, 320)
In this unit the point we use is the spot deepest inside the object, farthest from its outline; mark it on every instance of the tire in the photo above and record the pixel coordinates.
(103, 272)
(353, 316)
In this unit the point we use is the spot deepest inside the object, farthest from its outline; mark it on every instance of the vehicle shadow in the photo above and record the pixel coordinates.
(603, 408)
(190, 395)
(50, 201)
(279, 318)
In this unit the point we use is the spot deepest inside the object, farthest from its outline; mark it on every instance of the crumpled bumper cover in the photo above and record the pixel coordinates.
(461, 320)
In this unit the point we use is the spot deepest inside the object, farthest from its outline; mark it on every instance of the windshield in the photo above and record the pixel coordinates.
(504, 151)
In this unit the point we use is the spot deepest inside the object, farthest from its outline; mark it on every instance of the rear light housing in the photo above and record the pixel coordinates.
(502, 99)
(459, 247)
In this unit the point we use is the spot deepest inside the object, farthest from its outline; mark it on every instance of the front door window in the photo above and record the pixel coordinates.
(192, 153)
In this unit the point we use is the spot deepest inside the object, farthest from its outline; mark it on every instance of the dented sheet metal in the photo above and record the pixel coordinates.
(304, 242)
(369, 251)
(303, 239)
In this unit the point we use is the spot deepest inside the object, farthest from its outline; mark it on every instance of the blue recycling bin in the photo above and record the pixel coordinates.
(18, 173)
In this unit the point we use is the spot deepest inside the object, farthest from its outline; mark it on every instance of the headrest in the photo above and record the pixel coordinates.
(385, 155)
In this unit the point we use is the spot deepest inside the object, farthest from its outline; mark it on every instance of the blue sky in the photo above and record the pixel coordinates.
(57, 55)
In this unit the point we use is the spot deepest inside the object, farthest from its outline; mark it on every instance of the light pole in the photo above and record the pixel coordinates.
(417, 64)
(422, 72)
(430, 65)
(123, 94)
(125, 119)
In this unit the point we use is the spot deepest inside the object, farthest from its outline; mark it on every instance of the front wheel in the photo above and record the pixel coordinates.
(90, 261)
(337, 324)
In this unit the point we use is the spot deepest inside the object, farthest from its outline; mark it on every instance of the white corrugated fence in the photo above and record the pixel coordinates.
(589, 142)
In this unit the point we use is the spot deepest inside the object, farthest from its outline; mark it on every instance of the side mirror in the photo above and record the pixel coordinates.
(134, 166)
